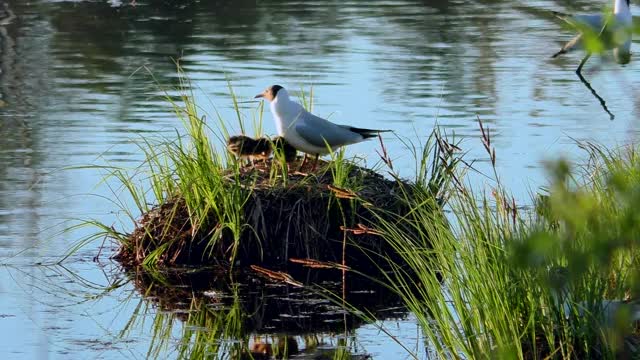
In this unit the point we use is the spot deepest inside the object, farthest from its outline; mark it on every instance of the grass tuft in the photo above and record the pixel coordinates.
(493, 280)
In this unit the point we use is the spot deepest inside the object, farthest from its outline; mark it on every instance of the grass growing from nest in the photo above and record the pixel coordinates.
(194, 170)
(188, 167)
(495, 281)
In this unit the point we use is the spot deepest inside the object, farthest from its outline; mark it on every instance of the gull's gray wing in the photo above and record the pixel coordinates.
(317, 130)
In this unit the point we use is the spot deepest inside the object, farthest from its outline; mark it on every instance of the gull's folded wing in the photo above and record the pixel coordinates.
(316, 131)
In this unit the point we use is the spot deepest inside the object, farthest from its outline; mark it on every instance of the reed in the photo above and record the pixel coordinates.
(496, 281)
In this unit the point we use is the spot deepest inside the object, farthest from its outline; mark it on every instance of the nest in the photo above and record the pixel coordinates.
(304, 217)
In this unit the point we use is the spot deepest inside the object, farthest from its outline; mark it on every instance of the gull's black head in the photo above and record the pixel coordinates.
(275, 89)
(270, 93)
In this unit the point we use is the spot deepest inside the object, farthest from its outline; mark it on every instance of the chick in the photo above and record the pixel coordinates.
(279, 143)
(248, 148)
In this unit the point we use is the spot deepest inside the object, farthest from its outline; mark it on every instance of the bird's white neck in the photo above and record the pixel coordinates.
(621, 7)
(285, 111)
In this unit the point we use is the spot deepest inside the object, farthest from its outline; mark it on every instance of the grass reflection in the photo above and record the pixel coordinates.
(198, 314)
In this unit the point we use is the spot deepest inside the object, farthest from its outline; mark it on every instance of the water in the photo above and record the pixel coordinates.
(75, 90)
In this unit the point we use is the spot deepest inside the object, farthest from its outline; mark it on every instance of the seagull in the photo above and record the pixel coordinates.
(618, 32)
(309, 133)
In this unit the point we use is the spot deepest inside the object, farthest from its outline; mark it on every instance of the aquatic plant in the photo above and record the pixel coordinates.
(497, 281)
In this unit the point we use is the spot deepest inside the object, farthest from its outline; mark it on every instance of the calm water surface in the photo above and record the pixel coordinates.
(72, 92)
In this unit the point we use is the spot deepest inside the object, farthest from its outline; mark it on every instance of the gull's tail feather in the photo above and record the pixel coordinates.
(366, 133)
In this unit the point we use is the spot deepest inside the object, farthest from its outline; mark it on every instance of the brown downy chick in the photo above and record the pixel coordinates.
(249, 148)
(289, 151)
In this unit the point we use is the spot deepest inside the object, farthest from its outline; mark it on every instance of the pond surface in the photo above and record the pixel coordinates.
(76, 89)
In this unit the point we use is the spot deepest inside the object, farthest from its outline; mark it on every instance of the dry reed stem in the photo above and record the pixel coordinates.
(361, 229)
(276, 275)
(317, 264)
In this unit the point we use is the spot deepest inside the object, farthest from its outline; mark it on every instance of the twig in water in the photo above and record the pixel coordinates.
(360, 230)
(276, 275)
(317, 264)
(588, 54)
(582, 62)
(593, 91)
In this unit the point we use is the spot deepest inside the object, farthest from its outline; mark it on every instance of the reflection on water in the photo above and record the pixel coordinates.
(214, 315)
(75, 89)
(602, 101)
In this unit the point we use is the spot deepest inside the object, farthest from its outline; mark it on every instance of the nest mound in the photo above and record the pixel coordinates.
(304, 217)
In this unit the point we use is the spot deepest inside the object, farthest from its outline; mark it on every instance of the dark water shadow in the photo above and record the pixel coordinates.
(207, 313)
(240, 315)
